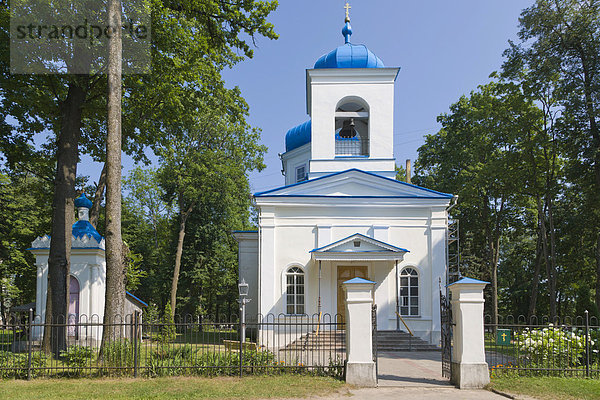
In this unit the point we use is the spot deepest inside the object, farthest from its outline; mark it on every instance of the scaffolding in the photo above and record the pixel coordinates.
(453, 251)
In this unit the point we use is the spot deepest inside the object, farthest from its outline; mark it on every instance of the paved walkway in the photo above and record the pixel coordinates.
(413, 375)
(411, 369)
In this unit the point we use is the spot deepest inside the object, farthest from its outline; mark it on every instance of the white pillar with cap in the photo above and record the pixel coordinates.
(469, 369)
(360, 367)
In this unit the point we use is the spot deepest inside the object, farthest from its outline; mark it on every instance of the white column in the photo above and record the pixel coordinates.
(360, 367)
(469, 369)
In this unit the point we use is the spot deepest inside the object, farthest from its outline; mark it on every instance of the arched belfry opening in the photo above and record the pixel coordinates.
(352, 128)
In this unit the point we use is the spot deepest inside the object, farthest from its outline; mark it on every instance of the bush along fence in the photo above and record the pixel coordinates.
(190, 345)
(542, 346)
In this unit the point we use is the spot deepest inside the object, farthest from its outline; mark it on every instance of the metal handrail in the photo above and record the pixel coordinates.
(319, 323)
(402, 319)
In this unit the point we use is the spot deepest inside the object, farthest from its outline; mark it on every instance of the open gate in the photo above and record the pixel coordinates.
(446, 331)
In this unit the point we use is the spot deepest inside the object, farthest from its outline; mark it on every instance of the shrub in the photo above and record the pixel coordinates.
(553, 346)
(168, 332)
(77, 357)
(118, 357)
(169, 361)
(14, 365)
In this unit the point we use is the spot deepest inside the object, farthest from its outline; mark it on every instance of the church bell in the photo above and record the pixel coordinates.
(348, 130)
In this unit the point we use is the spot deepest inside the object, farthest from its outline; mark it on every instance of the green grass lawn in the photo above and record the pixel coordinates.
(545, 388)
(171, 388)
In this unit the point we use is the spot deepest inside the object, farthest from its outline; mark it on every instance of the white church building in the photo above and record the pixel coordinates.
(342, 214)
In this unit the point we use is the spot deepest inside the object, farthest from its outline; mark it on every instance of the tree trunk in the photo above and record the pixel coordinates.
(63, 216)
(115, 273)
(538, 267)
(598, 272)
(549, 274)
(184, 215)
(47, 338)
(495, 257)
(553, 269)
(3, 310)
(98, 196)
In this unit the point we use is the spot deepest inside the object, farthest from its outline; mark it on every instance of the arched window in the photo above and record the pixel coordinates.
(294, 279)
(352, 129)
(409, 292)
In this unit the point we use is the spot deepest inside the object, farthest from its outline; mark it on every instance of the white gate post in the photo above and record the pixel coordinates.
(469, 369)
(360, 367)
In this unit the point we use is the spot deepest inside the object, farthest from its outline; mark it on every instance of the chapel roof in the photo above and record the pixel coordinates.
(84, 228)
(84, 233)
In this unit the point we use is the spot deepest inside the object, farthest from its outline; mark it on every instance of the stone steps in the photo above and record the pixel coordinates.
(402, 341)
(336, 340)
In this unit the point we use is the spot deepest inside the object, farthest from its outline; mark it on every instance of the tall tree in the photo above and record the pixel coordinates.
(476, 156)
(191, 43)
(216, 146)
(560, 40)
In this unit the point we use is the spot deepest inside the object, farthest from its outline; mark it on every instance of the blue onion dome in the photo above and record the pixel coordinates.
(83, 201)
(298, 136)
(349, 55)
(83, 227)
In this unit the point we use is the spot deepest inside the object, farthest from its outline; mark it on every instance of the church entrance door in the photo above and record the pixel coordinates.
(73, 308)
(345, 273)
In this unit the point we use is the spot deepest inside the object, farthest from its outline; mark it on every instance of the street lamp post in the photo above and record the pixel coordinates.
(243, 289)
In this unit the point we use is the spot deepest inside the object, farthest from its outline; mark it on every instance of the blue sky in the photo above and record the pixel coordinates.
(444, 48)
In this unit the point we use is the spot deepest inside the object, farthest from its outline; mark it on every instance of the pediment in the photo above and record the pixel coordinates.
(358, 243)
(354, 183)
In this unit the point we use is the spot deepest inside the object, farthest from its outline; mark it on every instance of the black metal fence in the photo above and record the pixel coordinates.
(191, 345)
(543, 346)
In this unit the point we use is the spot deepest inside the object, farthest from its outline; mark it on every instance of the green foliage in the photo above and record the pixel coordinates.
(168, 331)
(133, 271)
(15, 365)
(77, 357)
(25, 208)
(118, 358)
(183, 360)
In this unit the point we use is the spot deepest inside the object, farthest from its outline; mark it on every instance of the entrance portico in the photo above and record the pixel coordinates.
(357, 256)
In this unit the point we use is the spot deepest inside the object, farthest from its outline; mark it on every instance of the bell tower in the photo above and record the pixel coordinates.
(350, 101)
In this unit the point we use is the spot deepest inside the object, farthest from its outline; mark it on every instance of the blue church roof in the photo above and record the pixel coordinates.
(298, 136)
(82, 228)
(349, 55)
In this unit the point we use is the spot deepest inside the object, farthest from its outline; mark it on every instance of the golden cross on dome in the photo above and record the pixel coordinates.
(347, 7)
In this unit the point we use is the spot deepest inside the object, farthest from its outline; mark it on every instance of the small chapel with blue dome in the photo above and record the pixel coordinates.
(342, 214)
(87, 279)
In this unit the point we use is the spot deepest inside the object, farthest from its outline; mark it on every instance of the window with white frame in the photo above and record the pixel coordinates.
(294, 280)
(409, 292)
(301, 173)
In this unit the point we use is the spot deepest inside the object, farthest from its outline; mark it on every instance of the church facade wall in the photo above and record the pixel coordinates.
(290, 232)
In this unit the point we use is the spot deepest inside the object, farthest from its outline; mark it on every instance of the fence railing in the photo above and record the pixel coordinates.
(351, 147)
(191, 345)
(543, 346)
